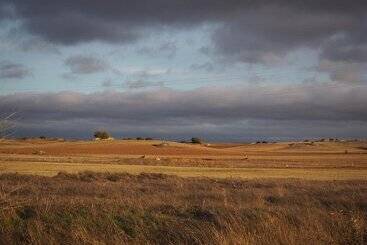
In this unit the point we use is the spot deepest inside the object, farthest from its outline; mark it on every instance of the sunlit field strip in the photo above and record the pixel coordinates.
(50, 169)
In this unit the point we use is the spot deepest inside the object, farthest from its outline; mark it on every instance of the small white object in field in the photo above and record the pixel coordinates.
(39, 152)
(157, 158)
(110, 138)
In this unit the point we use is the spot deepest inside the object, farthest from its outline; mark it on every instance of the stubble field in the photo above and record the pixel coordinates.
(154, 192)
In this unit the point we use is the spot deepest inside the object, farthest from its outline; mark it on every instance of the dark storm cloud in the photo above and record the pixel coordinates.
(84, 64)
(306, 102)
(245, 30)
(281, 23)
(271, 32)
(205, 110)
(7, 10)
(249, 31)
(10, 70)
(346, 49)
(70, 22)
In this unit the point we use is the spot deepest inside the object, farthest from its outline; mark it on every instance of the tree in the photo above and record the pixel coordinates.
(101, 135)
(196, 140)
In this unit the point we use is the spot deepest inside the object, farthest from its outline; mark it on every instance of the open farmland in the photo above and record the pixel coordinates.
(320, 160)
(154, 192)
(91, 208)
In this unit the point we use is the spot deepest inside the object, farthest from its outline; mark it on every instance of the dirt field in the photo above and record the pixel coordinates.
(319, 160)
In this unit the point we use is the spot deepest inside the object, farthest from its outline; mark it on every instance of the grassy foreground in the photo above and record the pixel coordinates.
(51, 169)
(94, 208)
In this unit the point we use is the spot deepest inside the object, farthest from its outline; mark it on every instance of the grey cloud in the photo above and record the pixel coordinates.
(249, 31)
(107, 83)
(208, 66)
(10, 70)
(274, 30)
(252, 130)
(146, 73)
(206, 111)
(7, 10)
(322, 102)
(139, 84)
(344, 71)
(82, 64)
(38, 45)
(344, 48)
(71, 22)
(167, 49)
(261, 32)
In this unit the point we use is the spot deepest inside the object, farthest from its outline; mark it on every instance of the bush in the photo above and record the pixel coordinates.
(139, 138)
(196, 141)
(101, 135)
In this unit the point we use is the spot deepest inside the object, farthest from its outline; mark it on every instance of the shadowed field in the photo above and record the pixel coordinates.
(91, 208)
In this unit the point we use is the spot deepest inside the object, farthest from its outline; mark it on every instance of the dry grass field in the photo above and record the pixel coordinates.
(318, 161)
(91, 208)
(154, 192)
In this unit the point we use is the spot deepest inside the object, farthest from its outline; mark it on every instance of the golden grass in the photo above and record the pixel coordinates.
(240, 193)
(92, 208)
(51, 169)
(351, 161)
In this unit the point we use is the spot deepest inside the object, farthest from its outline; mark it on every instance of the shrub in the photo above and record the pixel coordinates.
(196, 140)
(139, 138)
(101, 135)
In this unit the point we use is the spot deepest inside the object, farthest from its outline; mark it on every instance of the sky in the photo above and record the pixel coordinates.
(235, 70)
